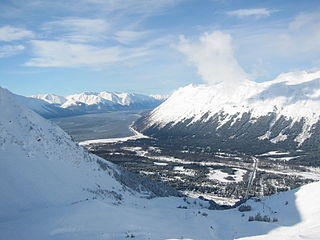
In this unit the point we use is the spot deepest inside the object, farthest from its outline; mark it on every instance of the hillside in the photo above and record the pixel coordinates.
(41, 166)
(279, 115)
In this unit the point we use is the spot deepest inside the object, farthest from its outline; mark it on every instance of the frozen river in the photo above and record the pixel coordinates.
(99, 126)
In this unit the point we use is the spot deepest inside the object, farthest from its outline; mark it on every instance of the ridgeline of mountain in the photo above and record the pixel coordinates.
(51, 105)
(278, 115)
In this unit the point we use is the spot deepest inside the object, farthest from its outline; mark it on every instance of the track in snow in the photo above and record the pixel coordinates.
(253, 175)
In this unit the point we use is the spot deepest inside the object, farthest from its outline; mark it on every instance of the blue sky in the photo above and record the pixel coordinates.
(152, 47)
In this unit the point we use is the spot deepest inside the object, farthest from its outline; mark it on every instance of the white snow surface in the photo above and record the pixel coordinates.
(109, 98)
(51, 98)
(40, 165)
(159, 96)
(301, 214)
(38, 105)
(105, 98)
(294, 95)
(221, 176)
(47, 185)
(137, 135)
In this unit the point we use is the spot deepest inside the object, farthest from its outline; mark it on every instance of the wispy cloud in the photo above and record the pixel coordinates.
(128, 36)
(10, 50)
(284, 46)
(257, 12)
(106, 8)
(303, 34)
(63, 54)
(86, 30)
(214, 58)
(9, 33)
(132, 6)
(80, 30)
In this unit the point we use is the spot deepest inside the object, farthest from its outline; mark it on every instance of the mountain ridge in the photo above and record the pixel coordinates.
(52, 106)
(277, 115)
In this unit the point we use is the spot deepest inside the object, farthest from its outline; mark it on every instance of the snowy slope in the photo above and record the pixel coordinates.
(294, 95)
(298, 212)
(290, 103)
(105, 100)
(41, 166)
(159, 97)
(51, 98)
(43, 107)
(91, 98)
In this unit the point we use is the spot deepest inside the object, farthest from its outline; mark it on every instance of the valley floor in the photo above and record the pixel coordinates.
(219, 176)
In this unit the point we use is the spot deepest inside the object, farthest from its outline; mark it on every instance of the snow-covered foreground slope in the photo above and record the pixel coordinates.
(283, 112)
(160, 219)
(41, 166)
(298, 212)
(51, 188)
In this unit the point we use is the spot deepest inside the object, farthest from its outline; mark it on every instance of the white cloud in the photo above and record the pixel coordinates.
(284, 46)
(8, 33)
(305, 19)
(62, 54)
(132, 6)
(213, 56)
(80, 30)
(10, 50)
(85, 30)
(257, 12)
(129, 36)
(304, 32)
(299, 39)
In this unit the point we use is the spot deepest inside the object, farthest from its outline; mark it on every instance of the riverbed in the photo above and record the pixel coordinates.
(100, 125)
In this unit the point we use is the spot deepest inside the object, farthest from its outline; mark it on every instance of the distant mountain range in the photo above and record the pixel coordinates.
(51, 105)
(254, 118)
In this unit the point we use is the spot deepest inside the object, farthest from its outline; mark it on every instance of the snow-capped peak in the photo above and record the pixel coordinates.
(294, 96)
(160, 97)
(110, 98)
(297, 77)
(51, 98)
(88, 98)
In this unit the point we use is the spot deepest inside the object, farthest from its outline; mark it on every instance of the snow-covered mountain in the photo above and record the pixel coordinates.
(44, 108)
(41, 166)
(159, 97)
(251, 117)
(100, 101)
(51, 98)
(91, 102)
(51, 188)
